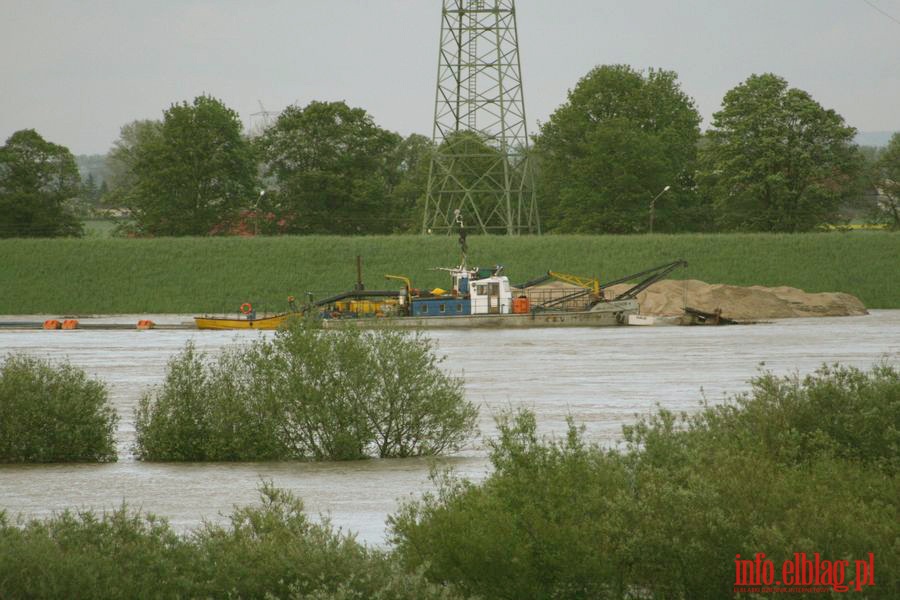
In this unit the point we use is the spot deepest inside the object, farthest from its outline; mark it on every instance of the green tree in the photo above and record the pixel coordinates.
(408, 168)
(332, 165)
(89, 188)
(888, 182)
(38, 181)
(776, 160)
(468, 171)
(193, 176)
(621, 137)
(53, 413)
(308, 393)
(123, 156)
(88, 196)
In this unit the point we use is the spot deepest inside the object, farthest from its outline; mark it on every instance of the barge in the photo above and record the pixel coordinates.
(607, 315)
(477, 298)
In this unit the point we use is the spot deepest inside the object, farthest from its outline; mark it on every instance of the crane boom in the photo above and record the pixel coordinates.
(589, 283)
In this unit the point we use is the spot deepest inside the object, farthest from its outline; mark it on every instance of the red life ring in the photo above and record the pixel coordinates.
(246, 308)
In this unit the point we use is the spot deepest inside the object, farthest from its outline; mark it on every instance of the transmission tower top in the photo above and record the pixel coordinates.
(480, 166)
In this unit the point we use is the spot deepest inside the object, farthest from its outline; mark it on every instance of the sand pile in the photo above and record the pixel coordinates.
(669, 297)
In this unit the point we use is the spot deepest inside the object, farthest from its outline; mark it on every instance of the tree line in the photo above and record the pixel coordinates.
(624, 154)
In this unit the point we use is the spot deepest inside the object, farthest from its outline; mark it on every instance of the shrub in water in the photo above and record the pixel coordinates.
(80, 554)
(307, 393)
(210, 410)
(838, 411)
(276, 549)
(353, 393)
(268, 551)
(53, 413)
(797, 465)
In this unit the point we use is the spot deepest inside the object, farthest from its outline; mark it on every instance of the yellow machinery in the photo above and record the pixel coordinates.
(402, 278)
(366, 307)
(591, 284)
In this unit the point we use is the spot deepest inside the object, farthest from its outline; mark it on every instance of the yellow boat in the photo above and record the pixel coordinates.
(271, 322)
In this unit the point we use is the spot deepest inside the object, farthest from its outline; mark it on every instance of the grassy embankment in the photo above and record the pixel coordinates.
(187, 275)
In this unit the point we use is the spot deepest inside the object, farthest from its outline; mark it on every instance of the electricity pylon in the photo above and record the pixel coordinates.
(266, 117)
(480, 166)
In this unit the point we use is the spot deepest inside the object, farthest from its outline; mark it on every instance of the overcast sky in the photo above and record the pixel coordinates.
(76, 71)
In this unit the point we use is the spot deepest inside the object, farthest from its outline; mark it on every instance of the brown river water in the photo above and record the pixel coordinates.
(602, 377)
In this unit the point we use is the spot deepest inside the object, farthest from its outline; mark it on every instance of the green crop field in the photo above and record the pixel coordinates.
(186, 275)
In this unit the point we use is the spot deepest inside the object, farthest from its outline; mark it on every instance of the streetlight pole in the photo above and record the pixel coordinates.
(256, 212)
(653, 204)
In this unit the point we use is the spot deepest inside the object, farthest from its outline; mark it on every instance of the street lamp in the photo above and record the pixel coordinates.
(653, 204)
(256, 212)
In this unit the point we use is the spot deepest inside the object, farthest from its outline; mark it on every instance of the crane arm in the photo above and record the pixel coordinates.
(592, 284)
(650, 276)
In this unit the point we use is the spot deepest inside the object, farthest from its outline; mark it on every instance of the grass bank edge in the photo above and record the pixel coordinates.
(192, 275)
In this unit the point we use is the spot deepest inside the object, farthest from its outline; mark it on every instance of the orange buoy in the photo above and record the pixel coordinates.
(246, 308)
(70, 324)
(145, 324)
(51, 324)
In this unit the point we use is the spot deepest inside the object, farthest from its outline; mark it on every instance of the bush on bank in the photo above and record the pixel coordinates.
(268, 551)
(307, 393)
(797, 465)
(53, 413)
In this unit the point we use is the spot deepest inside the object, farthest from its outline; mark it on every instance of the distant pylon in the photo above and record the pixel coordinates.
(266, 117)
(480, 166)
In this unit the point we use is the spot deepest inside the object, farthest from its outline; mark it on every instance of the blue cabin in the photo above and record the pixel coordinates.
(441, 307)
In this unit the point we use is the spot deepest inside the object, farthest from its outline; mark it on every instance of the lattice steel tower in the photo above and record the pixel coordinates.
(480, 166)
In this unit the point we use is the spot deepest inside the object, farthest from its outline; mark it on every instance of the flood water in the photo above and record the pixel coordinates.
(602, 377)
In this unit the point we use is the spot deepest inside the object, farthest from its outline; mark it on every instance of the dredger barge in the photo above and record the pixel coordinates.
(477, 298)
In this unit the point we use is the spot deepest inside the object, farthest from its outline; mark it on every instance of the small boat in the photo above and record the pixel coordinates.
(268, 322)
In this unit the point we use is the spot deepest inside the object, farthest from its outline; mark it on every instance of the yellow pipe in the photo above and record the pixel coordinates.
(405, 280)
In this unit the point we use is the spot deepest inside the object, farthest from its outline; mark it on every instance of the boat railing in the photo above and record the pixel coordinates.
(567, 299)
